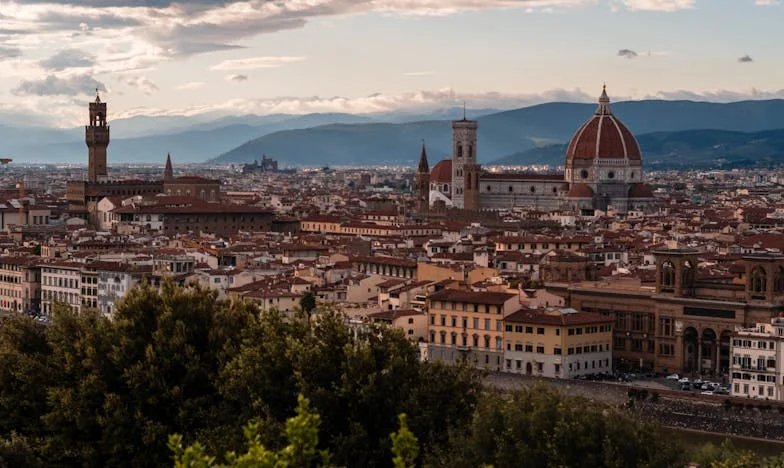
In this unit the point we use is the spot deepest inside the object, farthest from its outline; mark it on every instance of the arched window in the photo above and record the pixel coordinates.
(667, 275)
(203, 194)
(459, 151)
(778, 280)
(446, 188)
(759, 280)
(511, 189)
(470, 151)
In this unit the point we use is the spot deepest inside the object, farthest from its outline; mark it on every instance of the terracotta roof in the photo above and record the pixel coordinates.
(442, 172)
(457, 295)
(555, 317)
(580, 191)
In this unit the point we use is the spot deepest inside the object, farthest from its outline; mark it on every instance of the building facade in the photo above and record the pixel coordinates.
(603, 171)
(468, 325)
(557, 343)
(682, 323)
(757, 354)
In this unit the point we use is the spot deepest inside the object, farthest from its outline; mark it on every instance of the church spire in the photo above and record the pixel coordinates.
(604, 103)
(423, 165)
(168, 172)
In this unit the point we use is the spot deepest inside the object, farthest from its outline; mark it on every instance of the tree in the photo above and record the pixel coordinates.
(539, 427)
(308, 303)
(89, 391)
(302, 449)
(404, 446)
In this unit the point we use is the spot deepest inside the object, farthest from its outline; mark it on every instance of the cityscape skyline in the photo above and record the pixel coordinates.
(304, 56)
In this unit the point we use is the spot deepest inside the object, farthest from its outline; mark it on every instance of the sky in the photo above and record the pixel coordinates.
(227, 57)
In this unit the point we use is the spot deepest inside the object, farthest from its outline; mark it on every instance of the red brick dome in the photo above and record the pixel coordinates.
(603, 136)
(442, 172)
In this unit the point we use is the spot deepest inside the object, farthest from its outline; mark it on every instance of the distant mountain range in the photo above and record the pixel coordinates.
(679, 150)
(147, 139)
(521, 135)
(671, 133)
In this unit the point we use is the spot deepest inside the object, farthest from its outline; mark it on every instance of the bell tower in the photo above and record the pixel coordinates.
(423, 183)
(97, 139)
(463, 153)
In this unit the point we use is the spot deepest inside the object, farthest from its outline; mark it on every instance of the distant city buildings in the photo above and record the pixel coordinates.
(616, 270)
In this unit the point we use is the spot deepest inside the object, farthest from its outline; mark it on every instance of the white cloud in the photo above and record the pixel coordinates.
(143, 83)
(255, 63)
(52, 85)
(659, 5)
(191, 85)
(767, 2)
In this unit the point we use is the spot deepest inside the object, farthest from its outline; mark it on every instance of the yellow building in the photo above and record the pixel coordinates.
(557, 342)
(469, 325)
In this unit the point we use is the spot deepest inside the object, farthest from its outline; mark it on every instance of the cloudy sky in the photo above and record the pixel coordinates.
(151, 57)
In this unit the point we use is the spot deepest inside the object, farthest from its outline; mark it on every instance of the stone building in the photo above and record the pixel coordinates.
(682, 322)
(603, 170)
(85, 194)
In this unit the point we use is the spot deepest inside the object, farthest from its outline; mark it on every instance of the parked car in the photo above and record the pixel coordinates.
(684, 380)
(673, 377)
(706, 392)
(685, 386)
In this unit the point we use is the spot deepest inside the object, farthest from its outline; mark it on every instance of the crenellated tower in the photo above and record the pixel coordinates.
(97, 139)
(463, 153)
(423, 182)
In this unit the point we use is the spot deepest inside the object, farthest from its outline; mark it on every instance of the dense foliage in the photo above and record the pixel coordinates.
(88, 391)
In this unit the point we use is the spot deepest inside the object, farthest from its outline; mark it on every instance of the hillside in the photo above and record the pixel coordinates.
(686, 149)
(393, 144)
(500, 134)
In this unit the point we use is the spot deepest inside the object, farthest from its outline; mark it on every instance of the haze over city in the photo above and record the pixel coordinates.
(261, 57)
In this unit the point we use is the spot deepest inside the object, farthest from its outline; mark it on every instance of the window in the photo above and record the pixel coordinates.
(571, 332)
(508, 328)
(619, 342)
(476, 323)
(529, 329)
(540, 331)
(557, 332)
(454, 321)
(518, 347)
(540, 349)
(465, 322)
(487, 324)
(529, 348)
(636, 344)
(557, 351)
(579, 331)
(443, 320)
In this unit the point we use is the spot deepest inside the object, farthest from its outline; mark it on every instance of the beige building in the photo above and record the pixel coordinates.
(20, 282)
(557, 343)
(412, 322)
(757, 354)
(469, 325)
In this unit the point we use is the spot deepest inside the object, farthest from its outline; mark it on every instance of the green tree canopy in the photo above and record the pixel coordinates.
(89, 391)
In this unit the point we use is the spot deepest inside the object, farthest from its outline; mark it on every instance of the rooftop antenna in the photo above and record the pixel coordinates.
(464, 110)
